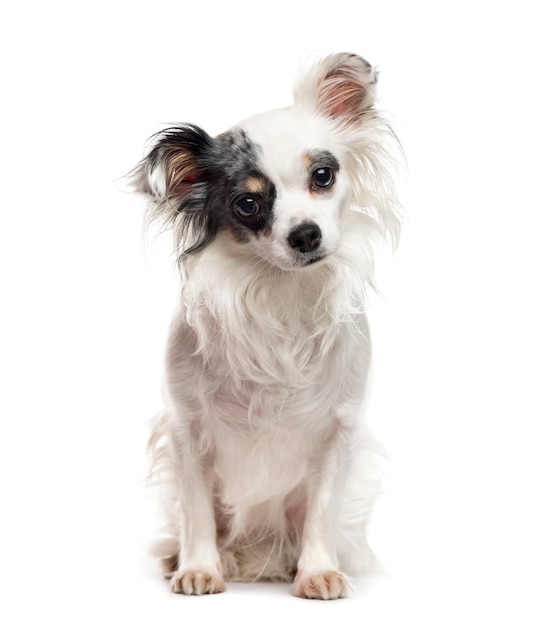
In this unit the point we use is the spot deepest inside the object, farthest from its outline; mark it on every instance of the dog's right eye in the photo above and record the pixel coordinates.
(247, 207)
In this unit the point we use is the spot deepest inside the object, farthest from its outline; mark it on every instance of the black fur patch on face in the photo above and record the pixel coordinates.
(210, 184)
(239, 194)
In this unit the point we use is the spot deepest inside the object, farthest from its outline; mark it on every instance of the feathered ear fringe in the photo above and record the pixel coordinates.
(373, 161)
(174, 177)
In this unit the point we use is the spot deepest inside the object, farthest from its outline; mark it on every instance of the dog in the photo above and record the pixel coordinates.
(268, 469)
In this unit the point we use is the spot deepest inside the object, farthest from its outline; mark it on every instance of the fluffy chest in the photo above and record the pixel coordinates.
(268, 347)
(257, 380)
(265, 371)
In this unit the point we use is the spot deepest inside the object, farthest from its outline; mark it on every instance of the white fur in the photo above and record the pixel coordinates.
(268, 468)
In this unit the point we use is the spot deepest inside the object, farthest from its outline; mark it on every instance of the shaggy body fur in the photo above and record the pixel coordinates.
(267, 467)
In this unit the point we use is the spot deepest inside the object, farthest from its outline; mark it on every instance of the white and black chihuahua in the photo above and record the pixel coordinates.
(268, 468)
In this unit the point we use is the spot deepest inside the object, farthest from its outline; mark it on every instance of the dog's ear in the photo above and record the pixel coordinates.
(340, 86)
(174, 165)
(175, 175)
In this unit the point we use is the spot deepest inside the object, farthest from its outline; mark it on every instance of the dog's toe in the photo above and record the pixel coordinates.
(322, 586)
(196, 583)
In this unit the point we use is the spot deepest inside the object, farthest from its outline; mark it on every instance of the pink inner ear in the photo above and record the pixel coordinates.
(182, 186)
(346, 100)
(182, 171)
(192, 178)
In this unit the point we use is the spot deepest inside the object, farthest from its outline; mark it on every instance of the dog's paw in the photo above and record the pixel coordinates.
(196, 582)
(322, 586)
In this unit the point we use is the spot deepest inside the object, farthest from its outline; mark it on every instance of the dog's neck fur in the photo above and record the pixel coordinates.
(270, 325)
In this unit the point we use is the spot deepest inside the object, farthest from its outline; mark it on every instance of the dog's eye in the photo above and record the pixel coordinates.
(323, 177)
(247, 207)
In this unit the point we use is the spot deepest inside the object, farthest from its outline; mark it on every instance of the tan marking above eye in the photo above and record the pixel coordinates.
(306, 161)
(254, 185)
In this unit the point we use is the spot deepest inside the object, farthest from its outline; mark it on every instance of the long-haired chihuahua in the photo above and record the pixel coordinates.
(268, 469)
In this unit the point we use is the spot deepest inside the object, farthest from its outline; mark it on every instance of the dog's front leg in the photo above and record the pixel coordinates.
(199, 569)
(318, 576)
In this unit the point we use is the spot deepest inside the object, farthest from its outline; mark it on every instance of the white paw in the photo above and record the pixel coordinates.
(195, 582)
(322, 586)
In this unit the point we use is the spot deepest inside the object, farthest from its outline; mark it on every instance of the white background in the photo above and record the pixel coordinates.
(458, 331)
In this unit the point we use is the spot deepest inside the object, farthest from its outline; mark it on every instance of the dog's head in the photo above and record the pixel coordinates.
(278, 184)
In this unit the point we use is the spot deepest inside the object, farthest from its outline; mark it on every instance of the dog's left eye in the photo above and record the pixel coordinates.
(323, 177)
(247, 207)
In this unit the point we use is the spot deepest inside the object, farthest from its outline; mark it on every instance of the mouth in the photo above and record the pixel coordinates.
(306, 261)
(292, 261)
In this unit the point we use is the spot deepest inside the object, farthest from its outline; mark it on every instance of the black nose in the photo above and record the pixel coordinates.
(305, 237)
